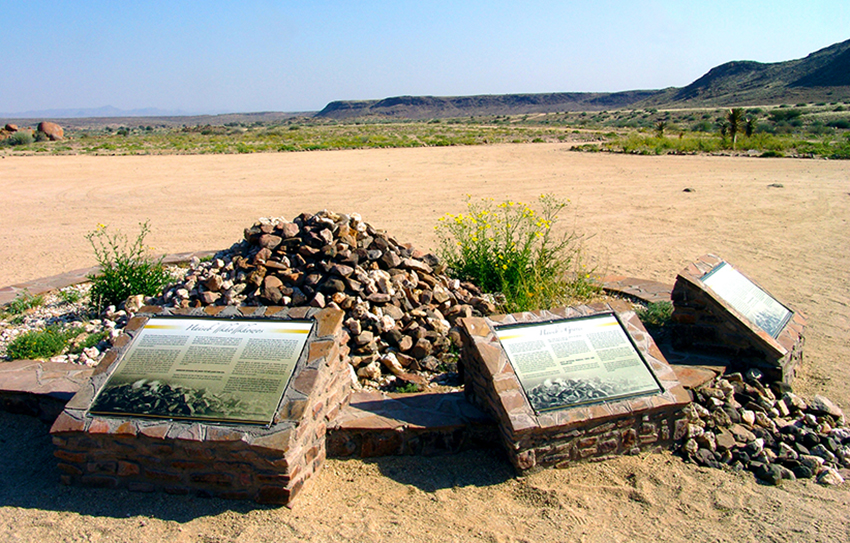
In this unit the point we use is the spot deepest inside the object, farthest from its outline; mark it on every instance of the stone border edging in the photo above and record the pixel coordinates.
(75, 277)
(644, 290)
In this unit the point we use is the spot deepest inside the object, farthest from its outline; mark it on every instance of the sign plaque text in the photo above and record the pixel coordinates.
(576, 361)
(205, 369)
(752, 302)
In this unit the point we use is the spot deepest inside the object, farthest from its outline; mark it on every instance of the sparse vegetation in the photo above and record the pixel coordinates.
(24, 302)
(125, 269)
(511, 249)
(656, 315)
(37, 344)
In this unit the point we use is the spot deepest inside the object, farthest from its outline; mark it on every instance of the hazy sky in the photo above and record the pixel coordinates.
(267, 55)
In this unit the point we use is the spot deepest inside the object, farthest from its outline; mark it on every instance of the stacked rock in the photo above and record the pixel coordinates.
(400, 307)
(736, 422)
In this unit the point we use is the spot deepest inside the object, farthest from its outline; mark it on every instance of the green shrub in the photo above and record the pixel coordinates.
(656, 314)
(70, 295)
(37, 344)
(24, 302)
(511, 249)
(125, 269)
(22, 137)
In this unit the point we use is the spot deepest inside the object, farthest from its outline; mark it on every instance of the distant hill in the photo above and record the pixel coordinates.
(424, 107)
(823, 76)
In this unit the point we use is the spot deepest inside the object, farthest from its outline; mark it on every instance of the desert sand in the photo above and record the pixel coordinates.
(794, 239)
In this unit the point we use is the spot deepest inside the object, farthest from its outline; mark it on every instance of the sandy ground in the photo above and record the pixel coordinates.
(794, 240)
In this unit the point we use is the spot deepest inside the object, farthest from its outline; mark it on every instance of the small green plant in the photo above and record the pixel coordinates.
(512, 249)
(125, 269)
(37, 344)
(24, 302)
(92, 340)
(408, 388)
(656, 314)
(70, 296)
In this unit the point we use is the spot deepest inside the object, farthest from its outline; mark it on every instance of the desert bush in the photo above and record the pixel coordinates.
(510, 248)
(125, 269)
(22, 137)
(37, 344)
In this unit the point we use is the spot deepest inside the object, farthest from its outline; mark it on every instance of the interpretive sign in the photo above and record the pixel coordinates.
(570, 362)
(206, 369)
(748, 299)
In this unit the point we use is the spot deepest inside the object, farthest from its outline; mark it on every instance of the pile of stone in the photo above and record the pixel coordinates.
(400, 307)
(737, 422)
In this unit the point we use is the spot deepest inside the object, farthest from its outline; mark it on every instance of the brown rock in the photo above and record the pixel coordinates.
(422, 349)
(289, 229)
(270, 241)
(53, 131)
(11, 127)
(214, 283)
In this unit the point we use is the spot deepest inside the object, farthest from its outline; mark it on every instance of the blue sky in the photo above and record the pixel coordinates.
(269, 55)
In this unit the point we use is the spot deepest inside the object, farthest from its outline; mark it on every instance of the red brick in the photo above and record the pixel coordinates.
(213, 479)
(135, 486)
(102, 467)
(69, 469)
(273, 495)
(163, 476)
(127, 469)
(77, 458)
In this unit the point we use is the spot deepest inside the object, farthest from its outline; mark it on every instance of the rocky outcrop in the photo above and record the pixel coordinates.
(53, 131)
(400, 308)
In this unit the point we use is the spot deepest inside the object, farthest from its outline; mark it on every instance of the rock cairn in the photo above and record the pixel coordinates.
(736, 422)
(400, 308)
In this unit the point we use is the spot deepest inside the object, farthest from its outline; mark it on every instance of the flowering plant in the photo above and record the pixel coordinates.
(513, 249)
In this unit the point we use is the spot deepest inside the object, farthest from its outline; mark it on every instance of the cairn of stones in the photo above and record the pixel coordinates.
(400, 307)
(736, 422)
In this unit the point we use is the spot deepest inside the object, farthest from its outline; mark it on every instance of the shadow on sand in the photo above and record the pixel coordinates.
(29, 479)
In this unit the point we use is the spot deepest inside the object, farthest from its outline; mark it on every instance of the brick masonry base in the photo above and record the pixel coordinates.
(233, 461)
(560, 438)
(706, 322)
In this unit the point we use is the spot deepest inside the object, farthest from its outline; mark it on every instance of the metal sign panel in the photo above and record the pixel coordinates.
(755, 304)
(205, 369)
(571, 362)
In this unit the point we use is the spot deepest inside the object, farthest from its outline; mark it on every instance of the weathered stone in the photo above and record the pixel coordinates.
(822, 405)
(53, 131)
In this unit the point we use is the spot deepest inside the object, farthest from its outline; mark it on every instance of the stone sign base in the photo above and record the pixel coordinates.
(233, 461)
(705, 321)
(572, 434)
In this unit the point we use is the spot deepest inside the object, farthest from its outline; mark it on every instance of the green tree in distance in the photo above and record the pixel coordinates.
(733, 118)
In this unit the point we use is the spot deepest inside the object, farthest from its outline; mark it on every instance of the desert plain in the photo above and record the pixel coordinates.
(784, 222)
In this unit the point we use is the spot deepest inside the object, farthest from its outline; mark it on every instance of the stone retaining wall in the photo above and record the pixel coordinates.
(560, 438)
(705, 321)
(268, 465)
